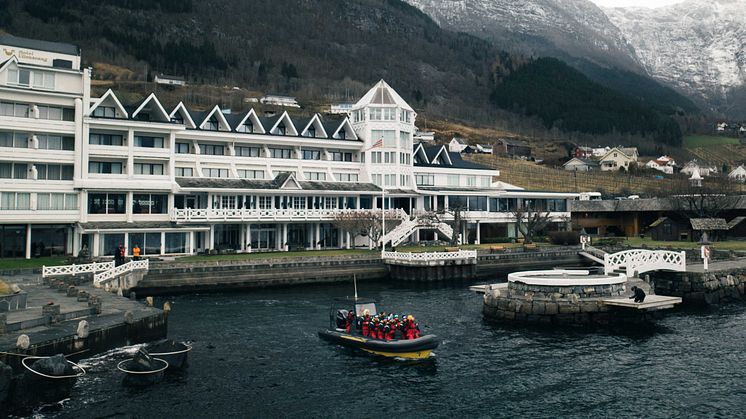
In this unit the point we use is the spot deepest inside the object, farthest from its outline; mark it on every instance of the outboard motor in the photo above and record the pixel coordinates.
(341, 318)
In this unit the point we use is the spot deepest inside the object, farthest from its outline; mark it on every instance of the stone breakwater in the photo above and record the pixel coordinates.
(542, 304)
(709, 288)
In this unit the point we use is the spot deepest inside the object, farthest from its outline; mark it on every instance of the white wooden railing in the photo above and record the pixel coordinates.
(74, 269)
(428, 256)
(130, 266)
(637, 261)
(190, 215)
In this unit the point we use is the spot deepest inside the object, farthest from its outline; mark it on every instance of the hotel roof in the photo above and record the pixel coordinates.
(58, 47)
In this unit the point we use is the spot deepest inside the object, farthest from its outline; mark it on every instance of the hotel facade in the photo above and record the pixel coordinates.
(82, 172)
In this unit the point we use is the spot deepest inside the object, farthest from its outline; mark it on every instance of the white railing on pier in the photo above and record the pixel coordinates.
(408, 226)
(190, 215)
(130, 266)
(637, 261)
(74, 269)
(430, 256)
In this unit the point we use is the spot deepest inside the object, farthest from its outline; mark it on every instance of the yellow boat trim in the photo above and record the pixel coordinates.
(408, 355)
(356, 339)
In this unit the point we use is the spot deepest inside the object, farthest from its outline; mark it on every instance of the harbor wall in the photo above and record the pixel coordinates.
(710, 288)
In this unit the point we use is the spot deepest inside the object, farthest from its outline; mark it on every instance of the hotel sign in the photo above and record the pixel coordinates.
(27, 55)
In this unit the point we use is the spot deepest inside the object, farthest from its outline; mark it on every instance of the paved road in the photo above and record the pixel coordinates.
(722, 265)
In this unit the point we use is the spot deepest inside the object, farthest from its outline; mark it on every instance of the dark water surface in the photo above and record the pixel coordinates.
(256, 354)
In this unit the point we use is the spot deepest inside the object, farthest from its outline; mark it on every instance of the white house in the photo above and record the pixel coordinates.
(279, 100)
(457, 145)
(738, 174)
(701, 169)
(599, 152)
(663, 164)
(721, 126)
(576, 164)
(484, 148)
(619, 158)
(169, 80)
(340, 108)
(93, 172)
(423, 136)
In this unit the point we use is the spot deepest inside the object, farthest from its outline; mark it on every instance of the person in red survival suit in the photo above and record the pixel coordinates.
(366, 323)
(411, 330)
(381, 330)
(374, 328)
(350, 320)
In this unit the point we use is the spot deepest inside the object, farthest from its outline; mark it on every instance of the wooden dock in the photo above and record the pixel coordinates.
(651, 303)
(481, 289)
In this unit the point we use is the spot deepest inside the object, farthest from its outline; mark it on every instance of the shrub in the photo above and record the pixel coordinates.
(564, 237)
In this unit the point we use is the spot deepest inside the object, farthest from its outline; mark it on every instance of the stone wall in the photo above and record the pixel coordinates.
(711, 288)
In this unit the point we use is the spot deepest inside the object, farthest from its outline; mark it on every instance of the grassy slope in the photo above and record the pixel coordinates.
(716, 150)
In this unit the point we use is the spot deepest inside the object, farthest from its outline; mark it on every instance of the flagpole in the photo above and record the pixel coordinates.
(383, 220)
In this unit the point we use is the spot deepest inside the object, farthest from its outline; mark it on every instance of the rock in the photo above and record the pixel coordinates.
(551, 308)
(83, 329)
(149, 301)
(167, 307)
(142, 361)
(55, 365)
(15, 289)
(23, 342)
(6, 377)
(129, 317)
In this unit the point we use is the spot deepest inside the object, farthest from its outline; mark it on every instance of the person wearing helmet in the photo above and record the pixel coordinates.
(349, 320)
(366, 323)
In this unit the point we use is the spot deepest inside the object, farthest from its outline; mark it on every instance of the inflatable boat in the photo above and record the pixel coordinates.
(419, 348)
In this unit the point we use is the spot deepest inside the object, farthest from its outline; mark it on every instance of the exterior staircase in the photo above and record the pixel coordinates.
(409, 225)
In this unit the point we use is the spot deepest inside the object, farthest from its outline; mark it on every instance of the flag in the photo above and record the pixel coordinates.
(377, 144)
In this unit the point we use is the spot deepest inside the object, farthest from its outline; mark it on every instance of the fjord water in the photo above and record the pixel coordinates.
(256, 354)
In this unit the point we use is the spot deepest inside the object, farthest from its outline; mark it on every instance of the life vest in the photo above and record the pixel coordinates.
(365, 327)
(348, 322)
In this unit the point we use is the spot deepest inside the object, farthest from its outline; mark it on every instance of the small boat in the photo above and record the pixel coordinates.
(143, 369)
(419, 348)
(175, 353)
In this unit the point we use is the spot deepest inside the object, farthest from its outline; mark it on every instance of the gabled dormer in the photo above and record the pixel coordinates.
(215, 121)
(314, 128)
(284, 126)
(108, 106)
(250, 123)
(180, 115)
(151, 110)
(344, 131)
(286, 180)
(419, 156)
(441, 157)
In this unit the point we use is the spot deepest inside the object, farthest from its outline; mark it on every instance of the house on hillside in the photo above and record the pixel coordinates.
(669, 229)
(279, 100)
(619, 158)
(512, 147)
(576, 164)
(169, 80)
(583, 152)
(340, 108)
(600, 151)
(457, 145)
(721, 127)
(702, 169)
(738, 174)
(484, 149)
(663, 164)
(423, 136)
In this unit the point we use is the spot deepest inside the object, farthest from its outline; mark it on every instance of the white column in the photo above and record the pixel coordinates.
(285, 237)
(248, 237)
(192, 243)
(128, 206)
(76, 242)
(317, 237)
(127, 244)
(417, 236)
(95, 245)
(211, 243)
(130, 153)
(163, 242)
(28, 241)
(242, 237)
(348, 240)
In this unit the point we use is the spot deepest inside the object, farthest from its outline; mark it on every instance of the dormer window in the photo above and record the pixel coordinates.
(212, 125)
(311, 132)
(248, 127)
(437, 161)
(105, 112)
(281, 129)
(342, 134)
(177, 119)
(143, 116)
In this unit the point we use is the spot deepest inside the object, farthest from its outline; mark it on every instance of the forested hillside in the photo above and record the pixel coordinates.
(322, 50)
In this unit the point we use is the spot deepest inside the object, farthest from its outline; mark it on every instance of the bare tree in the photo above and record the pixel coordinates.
(366, 223)
(357, 223)
(455, 220)
(710, 200)
(530, 222)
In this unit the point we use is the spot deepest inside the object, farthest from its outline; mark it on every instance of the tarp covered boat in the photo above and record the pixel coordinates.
(419, 348)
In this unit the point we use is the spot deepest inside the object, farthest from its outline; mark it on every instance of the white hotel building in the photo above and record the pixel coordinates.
(79, 171)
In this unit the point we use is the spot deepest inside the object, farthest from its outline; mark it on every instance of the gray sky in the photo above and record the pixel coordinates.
(639, 3)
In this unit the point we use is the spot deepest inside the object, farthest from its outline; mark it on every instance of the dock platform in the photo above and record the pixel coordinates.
(481, 289)
(651, 303)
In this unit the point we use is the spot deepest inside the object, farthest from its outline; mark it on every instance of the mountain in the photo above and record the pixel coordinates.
(575, 31)
(698, 46)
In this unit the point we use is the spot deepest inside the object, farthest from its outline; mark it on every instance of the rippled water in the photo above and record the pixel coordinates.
(256, 354)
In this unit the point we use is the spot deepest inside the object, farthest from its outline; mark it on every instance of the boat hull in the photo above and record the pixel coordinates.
(419, 348)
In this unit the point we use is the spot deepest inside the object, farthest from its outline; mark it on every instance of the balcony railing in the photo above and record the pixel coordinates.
(244, 214)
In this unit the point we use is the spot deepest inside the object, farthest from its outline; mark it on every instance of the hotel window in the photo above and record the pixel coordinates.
(347, 177)
(453, 180)
(177, 119)
(212, 125)
(485, 181)
(148, 169)
(389, 180)
(251, 174)
(404, 141)
(425, 179)
(184, 172)
(54, 171)
(265, 202)
(388, 137)
(56, 113)
(342, 134)
(247, 127)
(105, 167)
(390, 157)
(311, 155)
(405, 116)
(471, 181)
(148, 142)
(377, 179)
(149, 204)
(15, 201)
(182, 148)
(105, 112)
(14, 139)
(376, 114)
(37, 79)
(375, 157)
(13, 171)
(102, 203)
(56, 201)
(556, 205)
(311, 132)
(280, 153)
(214, 172)
(299, 202)
(105, 139)
(315, 175)
(403, 180)
(340, 156)
(176, 243)
(20, 110)
(389, 114)
(280, 129)
(242, 151)
(212, 149)
(404, 158)
(55, 142)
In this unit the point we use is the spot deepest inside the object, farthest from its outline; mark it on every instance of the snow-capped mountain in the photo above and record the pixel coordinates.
(698, 46)
(568, 29)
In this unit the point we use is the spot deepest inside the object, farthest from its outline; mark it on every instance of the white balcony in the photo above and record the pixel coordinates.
(237, 215)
